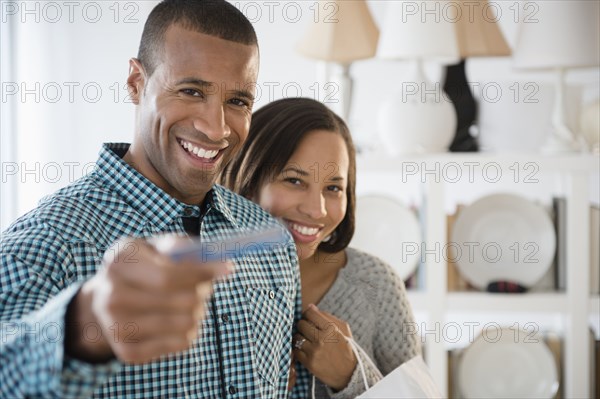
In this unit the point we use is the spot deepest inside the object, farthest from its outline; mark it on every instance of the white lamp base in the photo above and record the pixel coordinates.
(590, 126)
(557, 145)
(561, 140)
(416, 128)
(344, 82)
(418, 119)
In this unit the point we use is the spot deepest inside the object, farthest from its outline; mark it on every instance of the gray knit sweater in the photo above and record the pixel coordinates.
(371, 298)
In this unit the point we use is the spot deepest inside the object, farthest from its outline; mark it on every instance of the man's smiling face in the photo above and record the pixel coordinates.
(193, 112)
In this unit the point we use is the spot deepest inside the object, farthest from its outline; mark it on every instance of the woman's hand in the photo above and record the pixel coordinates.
(320, 345)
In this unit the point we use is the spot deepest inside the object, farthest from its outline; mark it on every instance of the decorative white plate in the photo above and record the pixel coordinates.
(507, 363)
(387, 229)
(503, 237)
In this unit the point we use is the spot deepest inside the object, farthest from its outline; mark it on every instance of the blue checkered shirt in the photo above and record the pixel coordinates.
(245, 345)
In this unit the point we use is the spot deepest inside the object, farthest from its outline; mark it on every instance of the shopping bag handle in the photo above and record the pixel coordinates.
(357, 352)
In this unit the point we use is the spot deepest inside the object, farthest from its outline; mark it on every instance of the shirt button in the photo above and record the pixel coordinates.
(225, 318)
(271, 294)
(188, 211)
(232, 390)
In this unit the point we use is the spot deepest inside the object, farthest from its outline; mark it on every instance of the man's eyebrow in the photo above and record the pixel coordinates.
(194, 81)
(295, 169)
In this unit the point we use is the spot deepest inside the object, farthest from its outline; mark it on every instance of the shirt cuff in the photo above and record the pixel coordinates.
(60, 374)
(80, 378)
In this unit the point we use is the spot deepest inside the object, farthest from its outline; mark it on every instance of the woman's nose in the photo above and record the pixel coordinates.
(313, 205)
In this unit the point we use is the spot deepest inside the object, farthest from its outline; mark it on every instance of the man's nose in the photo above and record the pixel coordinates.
(211, 122)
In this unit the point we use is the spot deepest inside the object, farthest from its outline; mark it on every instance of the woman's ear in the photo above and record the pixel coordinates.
(136, 80)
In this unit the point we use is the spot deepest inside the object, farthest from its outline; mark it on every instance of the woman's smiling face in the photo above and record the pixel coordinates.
(309, 195)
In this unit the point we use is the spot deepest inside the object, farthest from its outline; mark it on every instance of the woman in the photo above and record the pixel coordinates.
(299, 164)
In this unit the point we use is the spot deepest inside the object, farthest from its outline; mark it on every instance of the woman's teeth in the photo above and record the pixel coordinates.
(307, 231)
(199, 152)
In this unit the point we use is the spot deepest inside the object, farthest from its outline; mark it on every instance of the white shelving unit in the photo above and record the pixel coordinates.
(572, 307)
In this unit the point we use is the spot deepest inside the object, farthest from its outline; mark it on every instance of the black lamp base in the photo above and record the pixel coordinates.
(457, 89)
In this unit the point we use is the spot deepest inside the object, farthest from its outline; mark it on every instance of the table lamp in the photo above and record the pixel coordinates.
(565, 35)
(343, 34)
(417, 118)
(478, 35)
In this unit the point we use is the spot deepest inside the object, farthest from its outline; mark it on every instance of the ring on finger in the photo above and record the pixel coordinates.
(299, 343)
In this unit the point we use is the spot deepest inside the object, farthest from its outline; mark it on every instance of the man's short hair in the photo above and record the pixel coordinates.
(212, 17)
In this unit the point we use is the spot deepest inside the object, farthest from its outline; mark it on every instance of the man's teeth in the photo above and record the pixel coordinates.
(199, 152)
(307, 231)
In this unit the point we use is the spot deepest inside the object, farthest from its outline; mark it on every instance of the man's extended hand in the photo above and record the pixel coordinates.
(141, 304)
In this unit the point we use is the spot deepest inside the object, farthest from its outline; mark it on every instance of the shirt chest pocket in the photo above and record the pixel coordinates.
(271, 331)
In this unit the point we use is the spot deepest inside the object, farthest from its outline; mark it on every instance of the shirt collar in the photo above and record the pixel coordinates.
(144, 196)
(220, 204)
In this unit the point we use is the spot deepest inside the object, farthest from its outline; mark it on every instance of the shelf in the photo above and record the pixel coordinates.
(485, 302)
(377, 162)
(555, 302)
(438, 311)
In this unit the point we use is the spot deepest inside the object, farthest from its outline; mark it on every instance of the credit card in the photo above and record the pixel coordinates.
(232, 247)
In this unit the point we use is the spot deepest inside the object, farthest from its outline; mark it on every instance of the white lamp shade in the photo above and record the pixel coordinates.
(348, 35)
(561, 34)
(408, 33)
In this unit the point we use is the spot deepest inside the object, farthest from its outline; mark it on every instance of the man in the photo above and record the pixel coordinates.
(86, 311)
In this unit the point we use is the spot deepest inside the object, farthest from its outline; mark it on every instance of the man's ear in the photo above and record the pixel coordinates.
(136, 80)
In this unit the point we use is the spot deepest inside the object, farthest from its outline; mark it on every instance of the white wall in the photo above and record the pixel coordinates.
(87, 45)
(66, 93)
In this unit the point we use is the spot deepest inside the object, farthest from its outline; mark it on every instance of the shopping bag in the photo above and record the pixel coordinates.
(411, 380)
